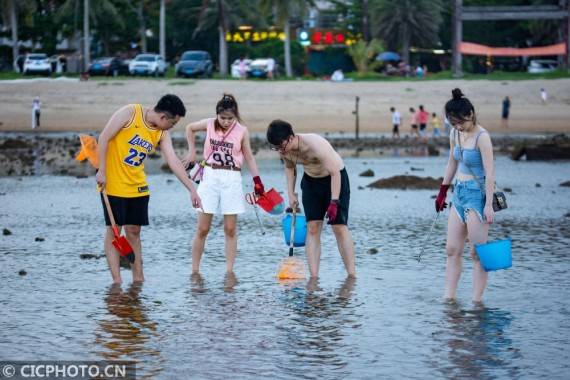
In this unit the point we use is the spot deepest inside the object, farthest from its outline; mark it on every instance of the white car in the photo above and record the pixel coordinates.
(147, 64)
(261, 68)
(539, 66)
(37, 63)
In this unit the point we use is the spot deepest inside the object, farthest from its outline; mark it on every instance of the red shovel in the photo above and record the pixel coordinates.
(120, 243)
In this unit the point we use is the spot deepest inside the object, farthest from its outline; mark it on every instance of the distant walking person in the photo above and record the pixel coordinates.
(414, 122)
(396, 120)
(506, 109)
(436, 125)
(543, 95)
(423, 117)
(471, 163)
(36, 105)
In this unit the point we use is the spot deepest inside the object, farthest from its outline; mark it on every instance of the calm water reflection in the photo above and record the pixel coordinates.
(126, 332)
(477, 342)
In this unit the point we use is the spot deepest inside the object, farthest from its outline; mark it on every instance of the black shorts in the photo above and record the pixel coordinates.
(423, 126)
(317, 197)
(396, 127)
(414, 126)
(127, 211)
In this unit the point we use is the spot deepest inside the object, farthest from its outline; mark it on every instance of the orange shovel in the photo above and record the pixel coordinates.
(120, 243)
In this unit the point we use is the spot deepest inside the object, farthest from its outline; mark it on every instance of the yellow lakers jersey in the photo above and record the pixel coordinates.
(126, 153)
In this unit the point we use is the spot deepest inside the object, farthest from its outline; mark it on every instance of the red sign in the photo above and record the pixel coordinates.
(328, 38)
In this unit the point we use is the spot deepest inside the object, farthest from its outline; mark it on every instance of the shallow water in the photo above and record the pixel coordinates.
(388, 323)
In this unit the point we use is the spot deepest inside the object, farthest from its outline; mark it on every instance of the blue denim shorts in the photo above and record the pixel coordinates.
(467, 195)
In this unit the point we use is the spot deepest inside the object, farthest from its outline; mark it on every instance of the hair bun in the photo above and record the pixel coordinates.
(456, 94)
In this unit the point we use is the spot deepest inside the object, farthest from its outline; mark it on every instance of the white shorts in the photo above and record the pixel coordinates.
(221, 192)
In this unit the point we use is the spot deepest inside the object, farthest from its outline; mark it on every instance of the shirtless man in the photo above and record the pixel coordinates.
(325, 189)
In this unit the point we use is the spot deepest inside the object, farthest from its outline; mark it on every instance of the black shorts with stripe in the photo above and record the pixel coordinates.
(127, 211)
(317, 197)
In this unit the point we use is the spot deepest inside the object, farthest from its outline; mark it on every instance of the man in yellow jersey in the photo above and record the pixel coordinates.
(132, 133)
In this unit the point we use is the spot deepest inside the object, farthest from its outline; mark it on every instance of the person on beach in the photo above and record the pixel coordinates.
(36, 112)
(325, 189)
(414, 122)
(131, 134)
(422, 118)
(543, 96)
(226, 147)
(436, 125)
(471, 163)
(396, 120)
(505, 113)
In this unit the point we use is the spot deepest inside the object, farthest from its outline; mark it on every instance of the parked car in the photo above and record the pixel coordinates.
(147, 64)
(236, 69)
(261, 68)
(195, 63)
(539, 66)
(110, 66)
(37, 63)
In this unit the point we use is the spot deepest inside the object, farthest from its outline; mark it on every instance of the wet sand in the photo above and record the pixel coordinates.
(316, 106)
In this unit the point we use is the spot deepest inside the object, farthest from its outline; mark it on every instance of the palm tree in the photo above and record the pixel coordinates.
(403, 22)
(217, 12)
(14, 26)
(162, 33)
(86, 35)
(98, 12)
(139, 10)
(364, 53)
(283, 11)
(10, 10)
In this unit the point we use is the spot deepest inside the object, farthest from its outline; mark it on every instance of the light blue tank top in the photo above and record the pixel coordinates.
(471, 157)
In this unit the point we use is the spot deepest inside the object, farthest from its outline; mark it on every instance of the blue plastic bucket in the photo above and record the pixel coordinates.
(495, 255)
(300, 229)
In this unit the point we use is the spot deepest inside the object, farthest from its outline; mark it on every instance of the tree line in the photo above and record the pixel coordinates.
(172, 26)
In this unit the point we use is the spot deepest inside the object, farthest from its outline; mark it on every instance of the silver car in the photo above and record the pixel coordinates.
(539, 66)
(147, 64)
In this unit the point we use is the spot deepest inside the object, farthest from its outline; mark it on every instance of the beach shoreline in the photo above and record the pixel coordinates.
(310, 106)
(40, 153)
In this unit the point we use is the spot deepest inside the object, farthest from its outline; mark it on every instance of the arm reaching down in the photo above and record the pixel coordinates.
(177, 168)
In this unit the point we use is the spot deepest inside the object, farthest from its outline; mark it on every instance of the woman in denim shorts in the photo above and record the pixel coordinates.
(471, 164)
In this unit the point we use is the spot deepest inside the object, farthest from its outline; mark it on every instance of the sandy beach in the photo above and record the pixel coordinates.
(70, 105)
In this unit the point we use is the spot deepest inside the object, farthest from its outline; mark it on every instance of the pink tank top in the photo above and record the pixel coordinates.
(228, 152)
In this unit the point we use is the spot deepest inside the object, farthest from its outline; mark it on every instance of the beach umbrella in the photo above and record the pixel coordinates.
(388, 56)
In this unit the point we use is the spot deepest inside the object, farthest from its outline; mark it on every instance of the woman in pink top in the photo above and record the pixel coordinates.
(226, 147)
(414, 122)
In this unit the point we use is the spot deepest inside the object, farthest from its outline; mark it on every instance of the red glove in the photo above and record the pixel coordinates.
(332, 210)
(258, 186)
(440, 200)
